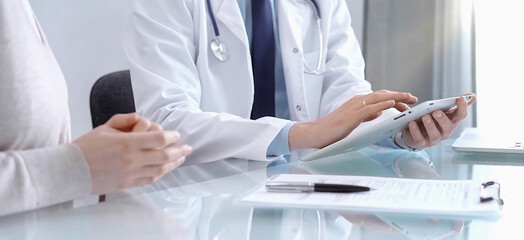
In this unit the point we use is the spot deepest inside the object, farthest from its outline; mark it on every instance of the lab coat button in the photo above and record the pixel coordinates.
(295, 50)
(299, 108)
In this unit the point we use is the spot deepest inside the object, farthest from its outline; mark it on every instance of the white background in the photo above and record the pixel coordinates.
(500, 49)
(86, 37)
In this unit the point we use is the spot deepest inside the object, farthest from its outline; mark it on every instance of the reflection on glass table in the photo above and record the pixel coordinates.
(507, 159)
(384, 163)
(199, 202)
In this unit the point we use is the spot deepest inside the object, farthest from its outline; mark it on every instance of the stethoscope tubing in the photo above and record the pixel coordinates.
(317, 8)
(213, 19)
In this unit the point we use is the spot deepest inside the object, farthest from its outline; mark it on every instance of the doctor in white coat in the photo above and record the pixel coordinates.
(179, 83)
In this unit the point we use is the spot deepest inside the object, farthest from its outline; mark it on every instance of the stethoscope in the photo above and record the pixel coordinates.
(221, 52)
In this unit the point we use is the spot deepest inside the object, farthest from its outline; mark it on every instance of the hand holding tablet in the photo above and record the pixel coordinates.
(446, 115)
(437, 126)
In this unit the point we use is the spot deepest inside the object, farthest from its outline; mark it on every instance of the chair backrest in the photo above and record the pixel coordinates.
(111, 94)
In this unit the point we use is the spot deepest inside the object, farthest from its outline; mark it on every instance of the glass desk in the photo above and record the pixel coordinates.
(198, 202)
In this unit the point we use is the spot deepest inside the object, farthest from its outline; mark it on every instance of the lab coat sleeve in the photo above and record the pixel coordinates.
(36, 178)
(344, 76)
(161, 47)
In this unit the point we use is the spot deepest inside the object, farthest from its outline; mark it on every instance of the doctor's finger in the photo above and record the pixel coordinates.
(433, 133)
(401, 106)
(445, 124)
(370, 110)
(472, 100)
(381, 96)
(461, 112)
(419, 141)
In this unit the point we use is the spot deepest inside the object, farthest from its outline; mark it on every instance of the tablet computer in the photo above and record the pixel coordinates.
(365, 136)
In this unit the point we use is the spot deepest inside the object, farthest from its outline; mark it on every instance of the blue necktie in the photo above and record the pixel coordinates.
(263, 59)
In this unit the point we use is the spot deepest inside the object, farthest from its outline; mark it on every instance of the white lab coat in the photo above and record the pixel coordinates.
(178, 82)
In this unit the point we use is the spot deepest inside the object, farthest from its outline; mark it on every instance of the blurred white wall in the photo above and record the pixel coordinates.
(499, 65)
(86, 37)
(356, 8)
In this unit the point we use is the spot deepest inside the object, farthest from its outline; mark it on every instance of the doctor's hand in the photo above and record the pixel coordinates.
(435, 127)
(129, 151)
(341, 122)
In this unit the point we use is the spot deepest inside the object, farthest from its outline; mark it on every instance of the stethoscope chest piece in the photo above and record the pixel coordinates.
(219, 50)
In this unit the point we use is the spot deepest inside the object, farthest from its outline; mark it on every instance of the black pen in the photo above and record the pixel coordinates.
(302, 187)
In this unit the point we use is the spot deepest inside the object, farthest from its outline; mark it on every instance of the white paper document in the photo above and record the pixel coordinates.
(395, 195)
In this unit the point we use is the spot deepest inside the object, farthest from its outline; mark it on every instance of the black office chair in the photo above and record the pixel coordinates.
(111, 94)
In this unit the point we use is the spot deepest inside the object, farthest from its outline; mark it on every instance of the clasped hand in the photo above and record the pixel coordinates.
(129, 151)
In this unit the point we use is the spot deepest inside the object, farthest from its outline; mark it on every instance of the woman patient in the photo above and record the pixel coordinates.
(39, 166)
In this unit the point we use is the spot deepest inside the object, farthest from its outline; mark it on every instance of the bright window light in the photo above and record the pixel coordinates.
(500, 64)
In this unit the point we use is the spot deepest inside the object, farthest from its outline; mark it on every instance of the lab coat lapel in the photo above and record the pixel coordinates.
(290, 21)
(229, 14)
